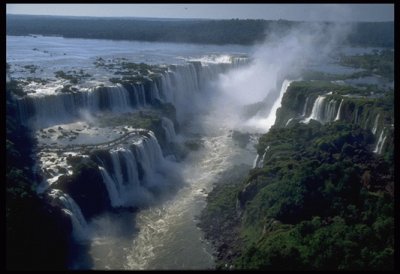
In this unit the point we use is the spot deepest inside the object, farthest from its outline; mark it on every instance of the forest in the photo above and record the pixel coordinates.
(233, 31)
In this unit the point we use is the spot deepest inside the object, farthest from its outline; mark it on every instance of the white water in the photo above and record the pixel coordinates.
(374, 129)
(260, 162)
(381, 142)
(130, 190)
(263, 123)
(317, 110)
(44, 110)
(169, 129)
(338, 113)
(256, 160)
(330, 110)
(288, 122)
(79, 224)
(180, 85)
(305, 107)
(356, 115)
(168, 237)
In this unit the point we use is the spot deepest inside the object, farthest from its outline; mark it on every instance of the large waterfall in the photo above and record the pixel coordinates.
(47, 110)
(272, 117)
(130, 176)
(179, 86)
(264, 122)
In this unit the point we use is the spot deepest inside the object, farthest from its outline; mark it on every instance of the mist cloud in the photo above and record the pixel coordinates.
(281, 56)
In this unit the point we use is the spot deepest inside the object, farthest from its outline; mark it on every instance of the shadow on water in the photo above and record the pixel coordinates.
(107, 232)
(111, 233)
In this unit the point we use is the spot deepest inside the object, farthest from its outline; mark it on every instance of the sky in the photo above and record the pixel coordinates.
(296, 12)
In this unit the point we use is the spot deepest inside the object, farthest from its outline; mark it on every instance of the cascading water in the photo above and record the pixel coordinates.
(375, 128)
(168, 231)
(123, 182)
(305, 107)
(272, 117)
(288, 122)
(169, 129)
(79, 224)
(260, 162)
(381, 142)
(356, 115)
(265, 123)
(317, 110)
(179, 86)
(330, 110)
(338, 112)
(47, 110)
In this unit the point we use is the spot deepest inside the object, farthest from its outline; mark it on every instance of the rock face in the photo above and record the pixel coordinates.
(42, 242)
(221, 227)
(121, 176)
(86, 187)
(38, 233)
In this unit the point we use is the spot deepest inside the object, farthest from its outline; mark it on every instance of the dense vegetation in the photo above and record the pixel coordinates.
(234, 31)
(379, 62)
(322, 200)
(37, 233)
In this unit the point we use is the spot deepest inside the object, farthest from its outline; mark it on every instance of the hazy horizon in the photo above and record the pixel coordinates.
(290, 12)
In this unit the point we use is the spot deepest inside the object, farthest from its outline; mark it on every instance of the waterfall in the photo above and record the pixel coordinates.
(322, 111)
(149, 156)
(119, 184)
(155, 93)
(178, 85)
(124, 184)
(277, 104)
(305, 107)
(374, 129)
(288, 122)
(381, 142)
(329, 113)
(255, 163)
(356, 116)
(260, 162)
(118, 99)
(263, 122)
(111, 188)
(338, 113)
(317, 110)
(47, 110)
(71, 208)
(169, 129)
